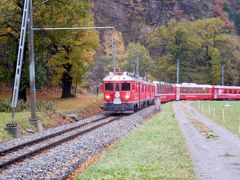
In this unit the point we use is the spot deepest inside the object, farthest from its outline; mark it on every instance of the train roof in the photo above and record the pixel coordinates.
(124, 76)
(194, 85)
(227, 87)
(161, 83)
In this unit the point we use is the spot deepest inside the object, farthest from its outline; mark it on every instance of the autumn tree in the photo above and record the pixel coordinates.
(70, 53)
(10, 23)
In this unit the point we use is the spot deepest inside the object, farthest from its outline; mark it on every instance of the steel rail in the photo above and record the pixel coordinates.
(37, 140)
(9, 162)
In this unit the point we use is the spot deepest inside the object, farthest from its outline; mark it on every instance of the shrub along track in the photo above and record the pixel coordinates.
(59, 161)
(215, 150)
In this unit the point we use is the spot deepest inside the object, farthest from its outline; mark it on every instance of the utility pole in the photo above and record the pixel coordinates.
(33, 119)
(114, 54)
(137, 70)
(178, 65)
(222, 74)
(27, 24)
(12, 127)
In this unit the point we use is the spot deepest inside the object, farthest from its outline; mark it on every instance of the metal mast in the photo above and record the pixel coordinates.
(223, 75)
(114, 53)
(20, 59)
(178, 65)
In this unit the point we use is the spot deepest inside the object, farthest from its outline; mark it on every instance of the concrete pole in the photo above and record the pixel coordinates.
(114, 54)
(223, 75)
(32, 75)
(137, 65)
(178, 65)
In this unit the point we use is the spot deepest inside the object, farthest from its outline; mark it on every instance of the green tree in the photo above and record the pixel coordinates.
(146, 63)
(172, 42)
(202, 46)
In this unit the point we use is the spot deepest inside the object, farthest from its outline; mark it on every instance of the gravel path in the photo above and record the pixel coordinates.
(217, 158)
(60, 161)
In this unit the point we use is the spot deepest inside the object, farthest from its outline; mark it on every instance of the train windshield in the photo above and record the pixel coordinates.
(126, 86)
(108, 86)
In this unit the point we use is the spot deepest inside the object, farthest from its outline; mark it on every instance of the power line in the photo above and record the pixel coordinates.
(72, 28)
(41, 3)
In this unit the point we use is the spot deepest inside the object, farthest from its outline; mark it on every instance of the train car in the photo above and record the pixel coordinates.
(226, 93)
(194, 92)
(166, 91)
(126, 93)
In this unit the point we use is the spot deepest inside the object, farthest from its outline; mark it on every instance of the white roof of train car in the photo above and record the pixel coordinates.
(226, 87)
(194, 85)
(124, 76)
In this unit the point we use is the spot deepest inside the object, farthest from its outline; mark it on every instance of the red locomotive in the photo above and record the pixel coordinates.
(126, 92)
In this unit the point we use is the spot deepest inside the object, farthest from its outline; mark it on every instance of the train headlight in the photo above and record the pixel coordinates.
(127, 96)
(107, 97)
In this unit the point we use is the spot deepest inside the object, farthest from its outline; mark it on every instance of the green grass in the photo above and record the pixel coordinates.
(154, 151)
(231, 120)
(21, 118)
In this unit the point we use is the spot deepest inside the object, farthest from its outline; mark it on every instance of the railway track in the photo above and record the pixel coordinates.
(26, 150)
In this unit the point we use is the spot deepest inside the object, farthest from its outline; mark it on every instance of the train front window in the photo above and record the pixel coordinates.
(126, 86)
(108, 86)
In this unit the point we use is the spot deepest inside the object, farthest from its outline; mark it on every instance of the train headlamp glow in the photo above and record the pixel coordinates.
(107, 97)
(127, 96)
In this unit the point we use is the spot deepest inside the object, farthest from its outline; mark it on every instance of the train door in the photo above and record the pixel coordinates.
(117, 99)
(139, 93)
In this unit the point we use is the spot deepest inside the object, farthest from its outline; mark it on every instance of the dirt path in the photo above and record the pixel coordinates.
(214, 158)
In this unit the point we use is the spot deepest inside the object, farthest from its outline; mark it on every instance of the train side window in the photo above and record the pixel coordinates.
(108, 86)
(126, 86)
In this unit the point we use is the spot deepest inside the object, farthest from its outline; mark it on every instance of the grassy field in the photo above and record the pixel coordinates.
(154, 151)
(84, 105)
(225, 113)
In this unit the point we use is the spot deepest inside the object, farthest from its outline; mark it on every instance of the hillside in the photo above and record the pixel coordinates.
(134, 18)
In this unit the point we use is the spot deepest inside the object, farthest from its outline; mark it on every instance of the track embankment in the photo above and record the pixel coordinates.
(60, 160)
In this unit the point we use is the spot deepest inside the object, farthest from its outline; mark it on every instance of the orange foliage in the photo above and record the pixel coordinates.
(218, 10)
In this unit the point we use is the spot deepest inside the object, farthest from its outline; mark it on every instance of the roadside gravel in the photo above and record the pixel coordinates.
(60, 161)
(215, 158)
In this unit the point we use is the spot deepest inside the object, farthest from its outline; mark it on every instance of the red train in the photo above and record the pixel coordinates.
(126, 92)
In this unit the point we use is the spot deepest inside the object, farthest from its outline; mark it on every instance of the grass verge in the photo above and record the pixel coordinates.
(225, 113)
(84, 106)
(154, 151)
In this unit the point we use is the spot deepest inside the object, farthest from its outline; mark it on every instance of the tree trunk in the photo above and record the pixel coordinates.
(23, 94)
(67, 82)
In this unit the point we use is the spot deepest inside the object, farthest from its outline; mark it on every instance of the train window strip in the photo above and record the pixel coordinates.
(126, 86)
(108, 86)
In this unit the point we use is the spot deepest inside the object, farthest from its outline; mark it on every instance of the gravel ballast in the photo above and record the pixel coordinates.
(60, 161)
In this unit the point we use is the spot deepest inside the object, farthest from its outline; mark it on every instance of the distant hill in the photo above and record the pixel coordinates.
(134, 18)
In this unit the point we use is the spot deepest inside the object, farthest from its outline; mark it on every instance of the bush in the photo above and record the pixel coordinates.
(5, 106)
(42, 106)
(46, 106)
